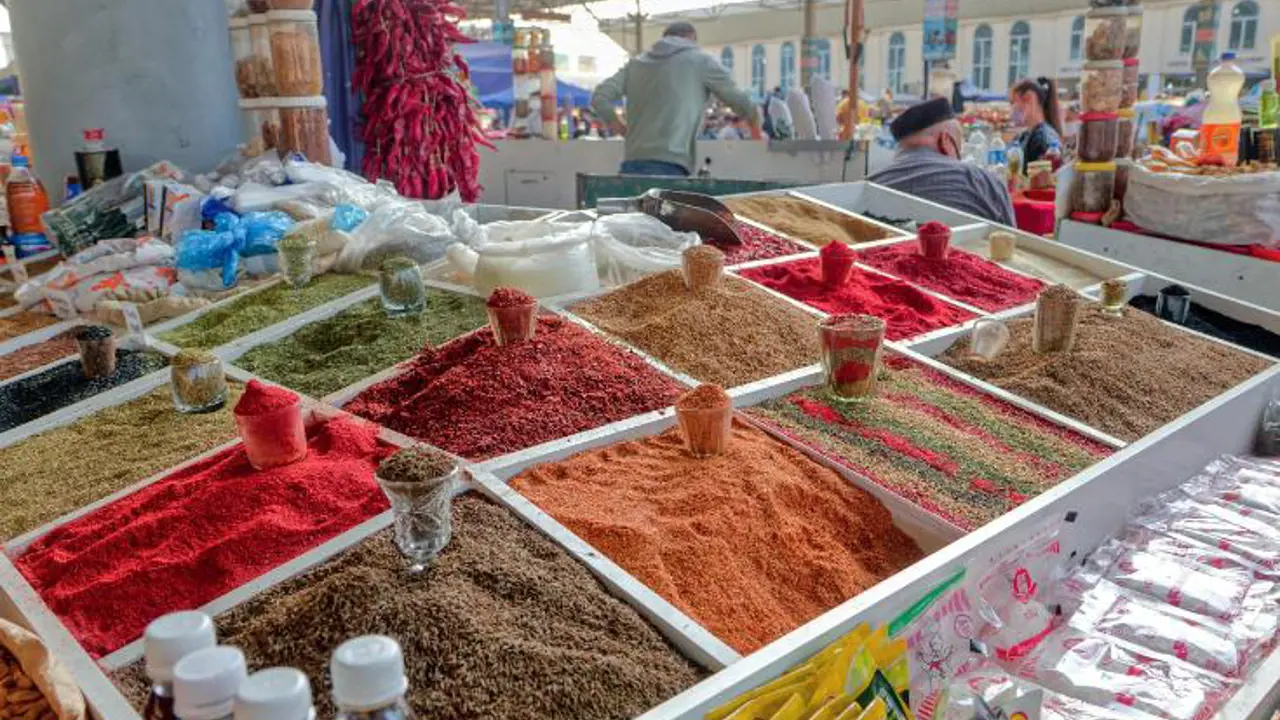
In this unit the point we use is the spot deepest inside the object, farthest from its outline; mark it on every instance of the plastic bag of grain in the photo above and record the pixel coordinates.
(1240, 209)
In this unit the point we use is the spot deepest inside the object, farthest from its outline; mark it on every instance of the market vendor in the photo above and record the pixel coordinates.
(1035, 107)
(666, 89)
(928, 165)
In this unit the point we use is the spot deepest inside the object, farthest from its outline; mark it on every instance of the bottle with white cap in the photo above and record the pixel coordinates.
(167, 640)
(278, 693)
(206, 681)
(369, 681)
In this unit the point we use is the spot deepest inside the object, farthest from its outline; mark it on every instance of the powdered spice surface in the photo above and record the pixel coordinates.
(503, 626)
(201, 532)
(757, 244)
(478, 400)
(906, 310)
(64, 385)
(751, 544)
(23, 322)
(30, 357)
(963, 276)
(807, 221)
(728, 335)
(960, 454)
(1125, 376)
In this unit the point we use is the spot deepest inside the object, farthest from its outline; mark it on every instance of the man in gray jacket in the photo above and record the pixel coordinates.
(667, 89)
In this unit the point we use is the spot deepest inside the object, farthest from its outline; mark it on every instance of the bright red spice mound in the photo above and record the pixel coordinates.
(259, 398)
(835, 249)
(758, 244)
(963, 276)
(478, 400)
(200, 533)
(505, 297)
(906, 310)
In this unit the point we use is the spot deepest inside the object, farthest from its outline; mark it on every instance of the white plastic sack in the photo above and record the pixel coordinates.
(1238, 210)
(630, 246)
(824, 108)
(540, 258)
(783, 123)
(112, 266)
(802, 115)
(401, 228)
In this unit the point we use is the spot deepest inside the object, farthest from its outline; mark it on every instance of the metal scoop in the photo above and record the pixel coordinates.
(683, 211)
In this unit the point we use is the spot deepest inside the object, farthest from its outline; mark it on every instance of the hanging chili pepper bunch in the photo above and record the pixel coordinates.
(420, 129)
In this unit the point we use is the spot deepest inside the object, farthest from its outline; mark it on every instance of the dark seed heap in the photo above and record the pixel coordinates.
(65, 384)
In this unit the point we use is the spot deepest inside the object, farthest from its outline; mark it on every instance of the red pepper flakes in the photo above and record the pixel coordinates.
(963, 276)
(259, 398)
(757, 244)
(505, 297)
(478, 400)
(200, 533)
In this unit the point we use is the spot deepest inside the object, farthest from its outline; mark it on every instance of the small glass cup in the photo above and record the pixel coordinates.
(1112, 297)
(702, 266)
(934, 244)
(988, 338)
(274, 438)
(197, 381)
(836, 263)
(513, 324)
(1002, 245)
(1173, 303)
(1056, 320)
(401, 286)
(706, 430)
(851, 346)
(422, 515)
(297, 259)
(97, 345)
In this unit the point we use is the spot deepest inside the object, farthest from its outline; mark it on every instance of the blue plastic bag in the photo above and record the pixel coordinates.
(209, 250)
(347, 217)
(262, 231)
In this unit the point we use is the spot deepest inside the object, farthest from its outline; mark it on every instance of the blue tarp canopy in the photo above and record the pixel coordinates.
(491, 74)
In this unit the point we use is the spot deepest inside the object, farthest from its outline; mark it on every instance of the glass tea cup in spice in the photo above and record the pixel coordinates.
(402, 289)
(420, 482)
(1113, 297)
(1002, 245)
(988, 338)
(836, 261)
(851, 346)
(271, 424)
(935, 240)
(1057, 319)
(512, 315)
(702, 266)
(705, 416)
(297, 258)
(97, 345)
(197, 381)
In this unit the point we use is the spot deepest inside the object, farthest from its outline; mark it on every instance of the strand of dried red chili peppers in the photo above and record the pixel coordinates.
(420, 128)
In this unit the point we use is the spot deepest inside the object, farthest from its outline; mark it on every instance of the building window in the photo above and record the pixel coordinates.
(822, 51)
(982, 40)
(897, 65)
(1077, 38)
(726, 59)
(1244, 26)
(1188, 39)
(1019, 52)
(587, 64)
(757, 70)
(787, 68)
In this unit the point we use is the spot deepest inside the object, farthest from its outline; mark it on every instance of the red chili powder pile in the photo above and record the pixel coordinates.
(905, 309)
(704, 397)
(757, 244)
(505, 297)
(200, 533)
(478, 400)
(963, 276)
(751, 544)
(259, 398)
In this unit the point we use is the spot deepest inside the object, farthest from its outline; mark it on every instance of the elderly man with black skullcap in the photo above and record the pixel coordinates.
(928, 165)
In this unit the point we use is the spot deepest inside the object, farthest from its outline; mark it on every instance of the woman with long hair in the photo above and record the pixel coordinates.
(1035, 107)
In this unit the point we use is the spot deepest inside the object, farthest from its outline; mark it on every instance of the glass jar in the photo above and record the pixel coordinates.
(1123, 167)
(1112, 297)
(1040, 174)
(97, 345)
(401, 288)
(1104, 32)
(197, 381)
(304, 127)
(1098, 137)
(705, 418)
(1056, 319)
(1126, 131)
(420, 482)
(1093, 187)
(260, 125)
(1129, 91)
(295, 53)
(702, 267)
(297, 258)
(264, 73)
(1102, 86)
(242, 56)
(275, 437)
(1133, 33)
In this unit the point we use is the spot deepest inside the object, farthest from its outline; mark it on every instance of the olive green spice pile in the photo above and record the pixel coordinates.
(417, 463)
(258, 310)
(60, 470)
(361, 341)
(504, 626)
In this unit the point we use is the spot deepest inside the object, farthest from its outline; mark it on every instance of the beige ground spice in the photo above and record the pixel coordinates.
(807, 221)
(1125, 376)
(55, 472)
(11, 326)
(30, 357)
(505, 625)
(729, 335)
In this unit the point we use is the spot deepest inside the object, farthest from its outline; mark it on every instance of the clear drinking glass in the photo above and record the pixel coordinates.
(851, 347)
(422, 512)
(403, 292)
(297, 259)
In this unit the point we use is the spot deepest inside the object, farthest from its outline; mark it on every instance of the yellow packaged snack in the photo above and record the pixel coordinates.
(767, 705)
(795, 677)
(793, 709)
(877, 710)
(834, 708)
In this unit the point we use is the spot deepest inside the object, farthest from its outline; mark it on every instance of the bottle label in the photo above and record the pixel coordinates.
(1220, 143)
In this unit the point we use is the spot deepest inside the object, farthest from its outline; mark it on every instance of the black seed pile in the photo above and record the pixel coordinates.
(1215, 324)
(62, 385)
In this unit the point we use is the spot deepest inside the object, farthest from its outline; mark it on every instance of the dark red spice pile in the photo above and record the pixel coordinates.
(963, 276)
(505, 297)
(757, 244)
(906, 310)
(478, 400)
(200, 533)
(259, 398)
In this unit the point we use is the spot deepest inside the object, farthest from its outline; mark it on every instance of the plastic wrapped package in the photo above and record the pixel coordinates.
(263, 73)
(1231, 210)
(242, 56)
(541, 258)
(112, 209)
(1225, 484)
(114, 268)
(824, 108)
(1012, 594)
(304, 127)
(295, 53)
(1102, 86)
(1093, 186)
(1104, 31)
(207, 260)
(1256, 542)
(1108, 673)
(1099, 136)
(260, 122)
(630, 246)
(405, 228)
(981, 679)
(806, 127)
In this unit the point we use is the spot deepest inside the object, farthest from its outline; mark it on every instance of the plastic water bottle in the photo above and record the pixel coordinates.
(27, 201)
(1220, 127)
(1269, 106)
(996, 154)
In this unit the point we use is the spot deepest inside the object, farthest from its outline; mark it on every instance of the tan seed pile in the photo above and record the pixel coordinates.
(1125, 376)
(11, 326)
(20, 699)
(30, 357)
(728, 335)
(808, 221)
(505, 625)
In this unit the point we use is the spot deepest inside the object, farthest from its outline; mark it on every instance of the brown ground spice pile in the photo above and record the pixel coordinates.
(11, 326)
(730, 335)
(807, 221)
(1126, 376)
(751, 544)
(30, 357)
(504, 625)
(60, 470)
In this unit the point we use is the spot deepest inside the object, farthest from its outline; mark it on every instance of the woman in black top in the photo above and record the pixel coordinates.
(1035, 107)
